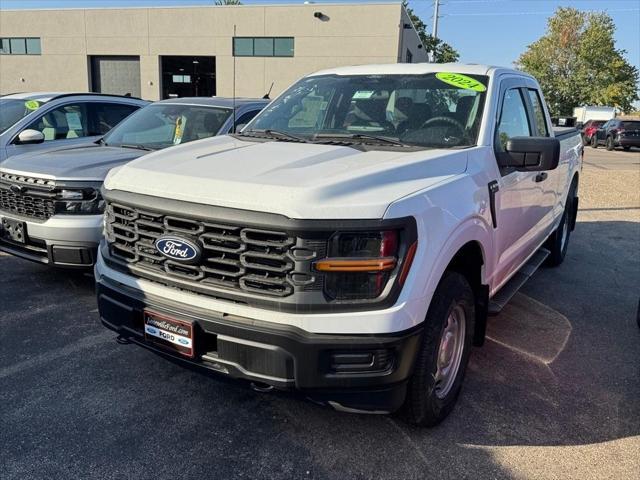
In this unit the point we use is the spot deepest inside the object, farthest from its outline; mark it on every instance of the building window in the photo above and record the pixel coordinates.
(283, 47)
(33, 46)
(20, 46)
(5, 48)
(409, 57)
(181, 78)
(263, 46)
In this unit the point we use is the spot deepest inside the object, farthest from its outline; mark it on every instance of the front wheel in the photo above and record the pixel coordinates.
(594, 141)
(610, 144)
(442, 360)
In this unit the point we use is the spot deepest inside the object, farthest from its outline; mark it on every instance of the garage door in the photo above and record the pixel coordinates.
(116, 75)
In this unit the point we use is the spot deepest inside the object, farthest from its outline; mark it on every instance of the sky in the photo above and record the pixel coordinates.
(483, 31)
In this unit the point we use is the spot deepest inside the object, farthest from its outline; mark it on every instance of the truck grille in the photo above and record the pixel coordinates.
(27, 196)
(234, 257)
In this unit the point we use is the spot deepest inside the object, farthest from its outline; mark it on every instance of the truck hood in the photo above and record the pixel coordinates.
(85, 162)
(298, 180)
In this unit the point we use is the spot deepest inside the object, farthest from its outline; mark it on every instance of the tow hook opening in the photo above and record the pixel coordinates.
(261, 387)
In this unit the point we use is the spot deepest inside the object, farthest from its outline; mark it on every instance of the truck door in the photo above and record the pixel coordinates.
(524, 200)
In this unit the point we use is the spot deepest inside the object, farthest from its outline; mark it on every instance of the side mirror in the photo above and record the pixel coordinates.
(30, 136)
(533, 154)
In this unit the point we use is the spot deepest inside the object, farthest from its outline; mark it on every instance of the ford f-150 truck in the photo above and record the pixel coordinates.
(351, 241)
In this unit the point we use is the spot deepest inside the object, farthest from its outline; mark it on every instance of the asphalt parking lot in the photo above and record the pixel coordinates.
(554, 393)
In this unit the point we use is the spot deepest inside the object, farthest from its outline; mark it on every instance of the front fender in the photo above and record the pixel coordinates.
(447, 218)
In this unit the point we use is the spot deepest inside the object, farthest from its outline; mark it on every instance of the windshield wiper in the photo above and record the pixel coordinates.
(101, 141)
(356, 136)
(277, 134)
(137, 147)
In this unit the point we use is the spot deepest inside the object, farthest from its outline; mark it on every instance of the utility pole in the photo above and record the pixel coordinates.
(436, 7)
(435, 18)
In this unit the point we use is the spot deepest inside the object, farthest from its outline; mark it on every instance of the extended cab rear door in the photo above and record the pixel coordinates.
(524, 200)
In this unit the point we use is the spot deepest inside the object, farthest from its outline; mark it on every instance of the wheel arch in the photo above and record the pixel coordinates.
(469, 261)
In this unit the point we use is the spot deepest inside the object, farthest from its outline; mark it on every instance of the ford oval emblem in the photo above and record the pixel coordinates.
(178, 249)
(17, 189)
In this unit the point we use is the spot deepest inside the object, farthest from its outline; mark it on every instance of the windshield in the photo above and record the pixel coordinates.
(163, 125)
(631, 125)
(437, 110)
(13, 110)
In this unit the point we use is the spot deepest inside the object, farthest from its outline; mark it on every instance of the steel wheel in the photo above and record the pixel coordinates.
(450, 351)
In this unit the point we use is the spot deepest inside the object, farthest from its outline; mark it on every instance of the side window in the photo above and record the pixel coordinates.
(105, 116)
(513, 119)
(538, 112)
(246, 117)
(68, 121)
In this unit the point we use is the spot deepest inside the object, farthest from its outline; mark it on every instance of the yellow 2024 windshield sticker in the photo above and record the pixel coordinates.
(460, 81)
(32, 104)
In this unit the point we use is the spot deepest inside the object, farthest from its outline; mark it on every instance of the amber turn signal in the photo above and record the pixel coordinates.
(356, 265)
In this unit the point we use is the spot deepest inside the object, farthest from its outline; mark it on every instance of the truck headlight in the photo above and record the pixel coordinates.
(359, 265)
(80, 201)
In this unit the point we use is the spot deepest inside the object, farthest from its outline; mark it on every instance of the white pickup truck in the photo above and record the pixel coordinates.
(351, 241)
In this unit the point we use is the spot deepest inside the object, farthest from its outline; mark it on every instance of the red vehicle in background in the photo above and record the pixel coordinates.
(589, 128)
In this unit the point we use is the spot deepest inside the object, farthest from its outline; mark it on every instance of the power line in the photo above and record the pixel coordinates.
(493, 14)
(450, 2)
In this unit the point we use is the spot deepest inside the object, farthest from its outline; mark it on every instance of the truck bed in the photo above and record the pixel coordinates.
(564, 132)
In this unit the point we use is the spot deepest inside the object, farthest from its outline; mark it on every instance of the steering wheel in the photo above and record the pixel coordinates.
(447, 121)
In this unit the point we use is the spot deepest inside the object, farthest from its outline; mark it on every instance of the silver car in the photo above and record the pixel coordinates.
(50, 203)
(31, 122)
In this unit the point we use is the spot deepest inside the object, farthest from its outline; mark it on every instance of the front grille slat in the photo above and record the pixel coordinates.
(234, 257)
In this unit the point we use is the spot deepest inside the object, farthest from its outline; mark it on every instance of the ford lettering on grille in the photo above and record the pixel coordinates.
(178, 249)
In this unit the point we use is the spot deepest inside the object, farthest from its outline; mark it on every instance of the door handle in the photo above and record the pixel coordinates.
(541, 177)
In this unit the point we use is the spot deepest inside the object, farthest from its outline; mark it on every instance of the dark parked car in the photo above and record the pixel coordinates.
(617, 132)
(589, 128)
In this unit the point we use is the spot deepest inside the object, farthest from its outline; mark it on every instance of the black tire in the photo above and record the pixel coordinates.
(610, 144)
(594, 141)
(626, 149)
(424, 404)
(558, 241)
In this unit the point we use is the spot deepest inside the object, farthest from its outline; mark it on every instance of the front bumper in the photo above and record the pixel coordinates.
(350, 372)
(62, 241)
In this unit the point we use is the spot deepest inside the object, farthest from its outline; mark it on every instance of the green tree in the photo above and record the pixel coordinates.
(577, 63)
(228, 2)
(442, 52)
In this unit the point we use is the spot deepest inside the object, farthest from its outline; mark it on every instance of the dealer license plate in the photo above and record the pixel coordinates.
(170, 333)
(14, 230)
